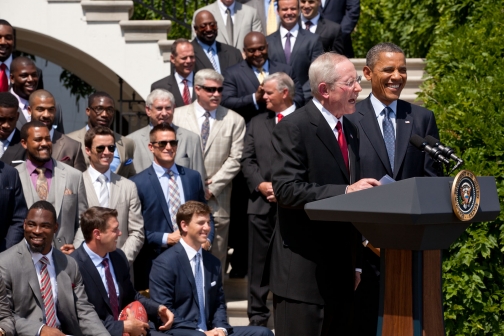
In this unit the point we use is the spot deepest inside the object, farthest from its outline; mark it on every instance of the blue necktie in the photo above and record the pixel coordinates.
(389, 135)
(198, 276)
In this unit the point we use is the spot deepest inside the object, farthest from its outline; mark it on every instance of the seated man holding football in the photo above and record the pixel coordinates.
(106, 275)
(188, 280)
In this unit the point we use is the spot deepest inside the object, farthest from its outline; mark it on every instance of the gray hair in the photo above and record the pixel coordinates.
(207, 74)
(374, 53)
(323, 70)
(283, 81)
(176, 43)
(159, 94)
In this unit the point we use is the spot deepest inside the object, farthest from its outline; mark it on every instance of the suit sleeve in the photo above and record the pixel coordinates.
(83, 204)
(220, 315)
(6, 319)
(338, 45)
(135, 233)
(231, 166)
(250, 167)
(351, 17)
(230, 97)
(15, 232)
(79, 162)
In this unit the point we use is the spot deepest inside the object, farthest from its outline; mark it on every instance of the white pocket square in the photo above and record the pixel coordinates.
(213, 283)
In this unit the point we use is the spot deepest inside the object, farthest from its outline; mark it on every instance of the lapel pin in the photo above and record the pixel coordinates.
(351, 136)
(406, 121)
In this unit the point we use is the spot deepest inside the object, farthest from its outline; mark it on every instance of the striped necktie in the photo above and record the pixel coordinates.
(47, 294)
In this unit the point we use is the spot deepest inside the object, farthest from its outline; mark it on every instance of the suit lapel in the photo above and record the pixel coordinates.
(249, 72)
(90, 191)
(201, 56)
(208, 283)
(221, 23)
(404, 127)
(172, 83)
(278, 46)
(65, 297)
(269, 122)
(298, 47)
(90, 268)
(353, 148)
(121, 150)
(159, 191)
(58, 184)
(186, 267)
(185, 182)
(115, 190)
(216, 127)
(57, 146)
(223, 57)
(30, 272)
(28, 189)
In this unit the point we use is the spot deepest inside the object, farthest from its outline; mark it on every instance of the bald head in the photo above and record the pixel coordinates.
(255, 49)
(205, 27)
(38, 95)
(254, 37)
(21, 62)
(42, 107)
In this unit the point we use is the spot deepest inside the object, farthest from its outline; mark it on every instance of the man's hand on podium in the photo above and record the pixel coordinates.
(363, 184)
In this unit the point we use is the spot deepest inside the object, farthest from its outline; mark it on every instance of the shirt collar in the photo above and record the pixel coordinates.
(200, 111)
(23, 103)
(378, 106)
(95, 258)
(265, 67)
(314, 21)
(331, 119)
(287, 111)
(294, 31)
(179, 78)
(223, 7)
(31, 167)
(51, 133)
(206, 46)
(161, 171)
(189, 250)
(9, 138)
(8, 62)
(37, 256)
(94, 174)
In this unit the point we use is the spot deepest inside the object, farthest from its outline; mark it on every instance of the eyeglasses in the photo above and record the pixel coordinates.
(162, 144)
(211, 89)
(100, 109)
(101, 149)
(351, 82)
(204, 25)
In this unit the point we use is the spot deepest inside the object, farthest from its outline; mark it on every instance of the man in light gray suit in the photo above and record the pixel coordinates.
(234, 19)
(6, 319)
(64, 309)
(159, 107)
(222, 132)
(107, 189)
(44, 178)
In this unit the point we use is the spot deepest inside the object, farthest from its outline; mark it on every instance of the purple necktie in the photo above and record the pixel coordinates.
(114, 302)
(287, 49)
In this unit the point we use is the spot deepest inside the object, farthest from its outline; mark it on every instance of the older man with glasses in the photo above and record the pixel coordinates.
(222, 132)
(101, 111)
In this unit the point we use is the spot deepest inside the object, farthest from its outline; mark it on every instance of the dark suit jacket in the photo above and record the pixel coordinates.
(308, 166)
(346, 13)
(228, 56)
(240, 82)
(170, 83)
(12, 207)
(306, 49)
(172, 284)
(409, 161)
(15, 151)
(256, 160)
(330, 35)
(97, 294)
(64, 149)
(157, 220)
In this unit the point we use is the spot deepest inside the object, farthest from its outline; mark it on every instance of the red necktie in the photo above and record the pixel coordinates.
(186, 96)
(342, 144)
(4, 83)
(280, 117)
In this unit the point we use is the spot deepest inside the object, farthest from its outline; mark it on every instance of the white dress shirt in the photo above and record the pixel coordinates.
(200, 115)
(283, 34)
(222, 10)
(265, 69)
(285, 112)
(314, 22)
(8, 63)
(97, 261)
(94, 175)
(23, 105)
(52, 274)
(163, 177)
(378, 107)
(180, 83)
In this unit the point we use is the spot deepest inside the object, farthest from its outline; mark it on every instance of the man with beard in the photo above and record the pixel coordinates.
(101, 111)
(44, 286)
(209, 53)
(44, 178)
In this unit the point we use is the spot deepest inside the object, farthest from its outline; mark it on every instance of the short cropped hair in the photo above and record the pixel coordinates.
(93, 132)
(176, 43)
(27, 126)
(44, 205)
(8, 100)
(283, 81)
(189, 208)
(40, 93)
(162, 127)
(374, 53)
(5, 23)
(98, 94)
(159, 94)
(21, 61)
(95, 218)
(323, 70)
(207, 74)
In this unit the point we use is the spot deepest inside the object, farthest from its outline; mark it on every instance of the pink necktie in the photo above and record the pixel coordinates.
(4, 83)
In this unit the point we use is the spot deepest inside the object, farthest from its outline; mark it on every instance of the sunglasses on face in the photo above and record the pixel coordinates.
(101, 149)
(162, 144)
(211, 89)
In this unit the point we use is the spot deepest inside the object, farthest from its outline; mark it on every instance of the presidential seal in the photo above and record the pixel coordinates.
(465, 195)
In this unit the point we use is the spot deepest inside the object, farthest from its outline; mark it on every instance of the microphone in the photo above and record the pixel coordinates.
(433, 152)
(445, 150)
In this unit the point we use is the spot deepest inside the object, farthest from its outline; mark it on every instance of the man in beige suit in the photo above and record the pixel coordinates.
(107, 189)
(222, 132)
(243, 19)
(101, 111)
(159, 107)
(44, 178)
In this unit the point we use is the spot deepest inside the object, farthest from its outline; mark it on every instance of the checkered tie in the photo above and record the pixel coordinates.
(174, 197)
(103, 198)
(211, 56)
(205, 130)
(42, 185)
(47, 294)
(389, 135)
(198, 277)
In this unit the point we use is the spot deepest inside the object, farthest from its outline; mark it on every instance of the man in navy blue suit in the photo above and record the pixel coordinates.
(188, 280)
(106, 276)
(162, 188)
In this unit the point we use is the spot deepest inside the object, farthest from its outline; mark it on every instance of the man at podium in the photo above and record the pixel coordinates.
(313, 271)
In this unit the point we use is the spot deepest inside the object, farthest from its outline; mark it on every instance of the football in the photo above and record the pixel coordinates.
(138, 311)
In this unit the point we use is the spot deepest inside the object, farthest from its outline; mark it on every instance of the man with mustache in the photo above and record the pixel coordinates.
(44, 178)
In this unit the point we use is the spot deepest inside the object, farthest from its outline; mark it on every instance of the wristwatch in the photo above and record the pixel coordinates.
(2, 332)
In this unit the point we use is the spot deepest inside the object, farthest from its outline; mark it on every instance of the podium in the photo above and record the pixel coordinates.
(412, 220)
